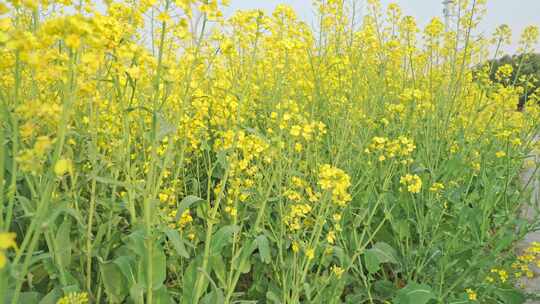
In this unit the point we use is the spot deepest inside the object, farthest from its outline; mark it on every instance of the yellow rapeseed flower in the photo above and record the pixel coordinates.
(62, 166)
(74, 298)
(338, 271)
(310, 254)
(471, 294)
(413, 183)
(73, 41)
(7, 240)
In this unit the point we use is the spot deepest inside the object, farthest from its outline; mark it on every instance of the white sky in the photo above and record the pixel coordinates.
(516, 13)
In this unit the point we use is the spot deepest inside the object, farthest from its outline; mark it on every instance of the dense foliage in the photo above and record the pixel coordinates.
(157, 152)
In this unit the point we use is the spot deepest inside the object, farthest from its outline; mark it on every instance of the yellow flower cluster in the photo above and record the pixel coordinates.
(501, 274)
(7, 240)
(413, 95)
(182, 221)
(504, 72)
(531, 255)
(386, 148)
(436, 187)
(338, 271)
(337, 182)
(289, 118)
(32, 159)
(520, 268)
(249, 154)
(471, 294)
(412, 182)
(63, 166)
(297, 215)
(74, 298)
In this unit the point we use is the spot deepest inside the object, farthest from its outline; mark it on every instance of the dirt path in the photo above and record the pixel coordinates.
(531, 286)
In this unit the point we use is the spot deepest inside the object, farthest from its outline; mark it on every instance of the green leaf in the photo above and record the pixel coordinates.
(190, 279)
(30, 297)
(264, 249)
(510, 296)
(402, 228)
(136, 293)
(135, 242)
(242, 263)
(414, 293)
(385, 253)
(372, 261)
(186, 204)
(222, 237)
(504, 242)
(385, 288)
(115, 284)
(177, 242)
(272, 297)
(125, 264)
(56, 212)
(63, 243)
(378, 254)
(71, 289)
(52, 297)
(218, 266)
(214, 297)
(159, 267)
(162, 296)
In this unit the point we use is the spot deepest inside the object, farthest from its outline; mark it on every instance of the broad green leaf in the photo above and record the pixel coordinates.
(52, 297)
(504, 242)
(372, 261)
(29, 297)
(218, 266)
(186, 204)
(136, 293)
(271, 297)
(264, 249)
(190, 279)
(510, 296)
(135, 242)
(71, 289)
(414, 293)
(214, 297)
(159, 267)
(63, 243)
(242, 263)
(56, 212)
(125, 264)
(308, 291)
(385, 253)
(162, 296)
(222, 237)
(115, 284)
(385, 288)
(177, 242)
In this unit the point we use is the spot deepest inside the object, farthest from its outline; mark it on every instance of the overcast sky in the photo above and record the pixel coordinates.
(516, 13)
